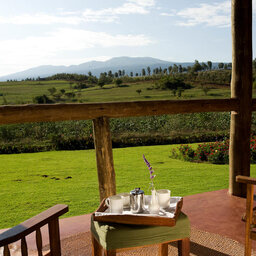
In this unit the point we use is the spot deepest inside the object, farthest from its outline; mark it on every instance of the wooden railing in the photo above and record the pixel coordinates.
(59, 112)
(100, 114)
(19, 232)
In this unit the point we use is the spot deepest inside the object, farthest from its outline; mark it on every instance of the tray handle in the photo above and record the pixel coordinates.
(178, 209)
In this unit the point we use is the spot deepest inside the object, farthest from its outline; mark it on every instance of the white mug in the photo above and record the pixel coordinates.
(115, 204)
(163, 196)
(126, 199)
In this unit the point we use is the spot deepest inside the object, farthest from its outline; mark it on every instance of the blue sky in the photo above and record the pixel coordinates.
(64, 32)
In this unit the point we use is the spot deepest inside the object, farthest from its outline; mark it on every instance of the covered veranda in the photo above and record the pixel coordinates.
(215, 212)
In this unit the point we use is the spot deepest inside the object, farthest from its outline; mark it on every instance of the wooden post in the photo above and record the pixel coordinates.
(104, 157)
(54, 237)
(241, 89)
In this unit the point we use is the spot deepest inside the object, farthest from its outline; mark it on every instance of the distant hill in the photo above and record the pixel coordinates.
(129, 64)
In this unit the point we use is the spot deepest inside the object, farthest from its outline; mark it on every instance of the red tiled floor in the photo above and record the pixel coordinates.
(217, 212)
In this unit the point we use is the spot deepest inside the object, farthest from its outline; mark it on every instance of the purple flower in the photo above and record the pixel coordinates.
(151, 171)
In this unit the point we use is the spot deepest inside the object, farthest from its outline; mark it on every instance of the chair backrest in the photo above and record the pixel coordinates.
(19, 232)
(249, 232)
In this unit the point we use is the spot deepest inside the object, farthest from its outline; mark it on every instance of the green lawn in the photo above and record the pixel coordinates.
(25, 192)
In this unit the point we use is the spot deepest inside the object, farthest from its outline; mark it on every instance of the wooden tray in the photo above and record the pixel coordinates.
(150, 220)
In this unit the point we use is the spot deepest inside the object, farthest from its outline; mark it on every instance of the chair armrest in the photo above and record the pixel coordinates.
(246, 179)
(14, 234)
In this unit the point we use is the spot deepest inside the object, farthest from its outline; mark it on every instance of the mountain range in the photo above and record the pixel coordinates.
(129, 64)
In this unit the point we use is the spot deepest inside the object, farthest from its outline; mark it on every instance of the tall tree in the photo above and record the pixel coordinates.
(175, 69)
(209, 63)
(149, 70)
(110, 74)
(221, 65)
(170, 69)
(143, 71)
(204, 66)
(197, 66)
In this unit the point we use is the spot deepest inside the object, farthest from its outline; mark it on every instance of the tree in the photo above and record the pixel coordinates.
(172, 83)
(204, 66)
(149, 70)
(62, 91)
(110, 74)
(116, 75)
(43, 99)
(89, 73)
(180, 91)
(180, 69)
(52, 90)
(101, 83)
(170, 69)
(118, 82)
(196, 67)
(209, 64)
(138, 91)
(143, 71)
(70, 95)
(221, 65)
(119, 72)
(175, 69)
(131, 74)
(205, 90)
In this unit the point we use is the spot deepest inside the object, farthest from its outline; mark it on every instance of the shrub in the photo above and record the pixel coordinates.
(43, 99)
(213, 152)
(186, 152)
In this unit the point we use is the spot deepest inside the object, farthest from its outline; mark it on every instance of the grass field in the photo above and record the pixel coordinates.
(26, 191)
(24, 92)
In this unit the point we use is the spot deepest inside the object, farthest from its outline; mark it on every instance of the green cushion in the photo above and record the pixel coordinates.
(115, 236)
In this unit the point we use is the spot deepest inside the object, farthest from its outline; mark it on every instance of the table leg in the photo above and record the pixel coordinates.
(96, 247)
(184, 247)
(163, 249)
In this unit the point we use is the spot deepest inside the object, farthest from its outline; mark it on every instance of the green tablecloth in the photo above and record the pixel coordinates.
(115, 236)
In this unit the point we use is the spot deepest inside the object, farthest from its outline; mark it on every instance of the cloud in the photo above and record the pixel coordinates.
(112, 14)
(33, 51)
(88, 15)
(215, 14)
(40, 18)
(146, 3)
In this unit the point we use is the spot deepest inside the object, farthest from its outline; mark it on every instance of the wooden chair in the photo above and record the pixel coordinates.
(250, 220)
(111, 238)
(19, 232)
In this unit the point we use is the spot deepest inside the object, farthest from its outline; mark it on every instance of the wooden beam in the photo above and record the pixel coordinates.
(241, 89)
(61, 112)
(104, 157)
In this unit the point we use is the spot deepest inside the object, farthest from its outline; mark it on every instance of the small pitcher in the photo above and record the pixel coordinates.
(137, 200)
